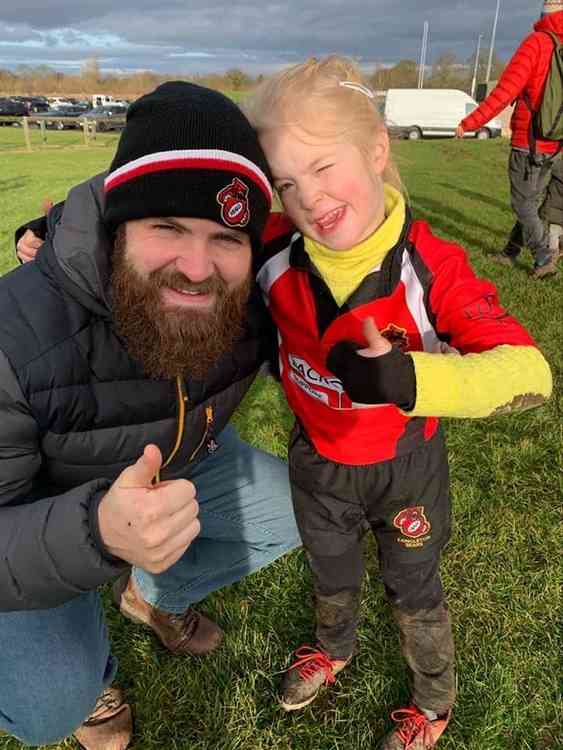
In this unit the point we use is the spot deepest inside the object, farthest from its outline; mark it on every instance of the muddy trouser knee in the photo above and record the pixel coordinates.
(54, 665)
(529, 179)
(427, 646)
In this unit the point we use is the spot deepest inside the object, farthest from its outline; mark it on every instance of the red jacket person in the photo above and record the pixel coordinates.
(529, 168)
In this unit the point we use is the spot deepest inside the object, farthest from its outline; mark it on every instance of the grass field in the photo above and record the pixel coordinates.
(502, 569)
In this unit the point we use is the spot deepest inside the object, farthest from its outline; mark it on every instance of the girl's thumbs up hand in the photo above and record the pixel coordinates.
(377, 344)
(376, 373)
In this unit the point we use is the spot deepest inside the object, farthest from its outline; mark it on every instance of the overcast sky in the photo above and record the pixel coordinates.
(201, 36)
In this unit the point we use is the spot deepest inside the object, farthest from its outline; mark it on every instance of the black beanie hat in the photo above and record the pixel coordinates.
(187, 150)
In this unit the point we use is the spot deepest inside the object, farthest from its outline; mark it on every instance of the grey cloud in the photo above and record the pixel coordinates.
(258, 34)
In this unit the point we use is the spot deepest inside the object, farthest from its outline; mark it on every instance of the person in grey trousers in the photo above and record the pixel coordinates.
(532, 159)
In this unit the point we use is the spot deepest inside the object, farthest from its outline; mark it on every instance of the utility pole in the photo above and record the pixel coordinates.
(476, 68)
(491, 50)
(423, 51)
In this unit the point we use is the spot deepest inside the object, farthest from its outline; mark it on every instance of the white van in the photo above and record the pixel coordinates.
(414, 113)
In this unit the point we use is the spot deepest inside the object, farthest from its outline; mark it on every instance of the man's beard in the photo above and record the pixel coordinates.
(174, 341)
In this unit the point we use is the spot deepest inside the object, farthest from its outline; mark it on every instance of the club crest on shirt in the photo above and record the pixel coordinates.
(233, 199)
(396, 336)
(413, 525)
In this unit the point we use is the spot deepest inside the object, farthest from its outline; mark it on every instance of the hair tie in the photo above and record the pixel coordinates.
(358, 87)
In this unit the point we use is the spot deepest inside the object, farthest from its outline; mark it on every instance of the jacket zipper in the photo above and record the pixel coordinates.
(208, 422)
(182, 401)
(182, 405)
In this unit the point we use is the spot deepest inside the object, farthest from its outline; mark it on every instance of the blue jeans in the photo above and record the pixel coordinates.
(54, 663)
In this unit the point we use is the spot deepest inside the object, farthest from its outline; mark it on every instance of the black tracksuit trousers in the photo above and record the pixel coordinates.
(405, 502)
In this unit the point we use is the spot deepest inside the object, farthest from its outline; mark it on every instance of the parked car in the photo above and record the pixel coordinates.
(82, 104)
(416, 113)
(61, 118)
(59, 101)
(107, 118)
(12, 108)
(33, 104)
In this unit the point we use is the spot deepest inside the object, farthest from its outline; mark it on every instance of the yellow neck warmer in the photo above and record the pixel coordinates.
(344, 270)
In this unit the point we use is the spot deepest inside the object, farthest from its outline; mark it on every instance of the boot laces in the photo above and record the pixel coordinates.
(187, 622)
(411, 722)
(310, 660)
(106, 703)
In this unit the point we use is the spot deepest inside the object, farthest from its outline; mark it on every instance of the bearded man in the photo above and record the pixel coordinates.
(139, 337)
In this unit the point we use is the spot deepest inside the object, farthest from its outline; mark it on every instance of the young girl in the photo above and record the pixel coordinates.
(373, 312)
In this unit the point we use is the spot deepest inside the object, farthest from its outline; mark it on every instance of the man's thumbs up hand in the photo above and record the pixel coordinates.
(148, 525)
(376, 373)
(144, 470)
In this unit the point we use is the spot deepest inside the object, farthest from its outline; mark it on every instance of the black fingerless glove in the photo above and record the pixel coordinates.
(387, 379)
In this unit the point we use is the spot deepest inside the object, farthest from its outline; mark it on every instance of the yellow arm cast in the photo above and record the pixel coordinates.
(498, 381)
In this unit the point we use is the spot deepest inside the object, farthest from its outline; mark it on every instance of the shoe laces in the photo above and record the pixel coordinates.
(107, 702)
(311, 660)
(187, 622)
(411, 722)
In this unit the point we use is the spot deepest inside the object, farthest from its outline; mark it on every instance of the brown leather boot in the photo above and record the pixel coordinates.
(189, 632)
(109, 726)
(548, 269)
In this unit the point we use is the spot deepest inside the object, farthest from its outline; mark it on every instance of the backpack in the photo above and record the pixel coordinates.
(547, 121)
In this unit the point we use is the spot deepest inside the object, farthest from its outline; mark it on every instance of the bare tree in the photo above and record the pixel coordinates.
(236, 79)
(496, 69)
(403, 75)
(42, 79)
(91, 74)
(447, 72)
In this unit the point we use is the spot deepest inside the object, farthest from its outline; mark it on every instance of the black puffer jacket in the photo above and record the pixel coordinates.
(75, 410)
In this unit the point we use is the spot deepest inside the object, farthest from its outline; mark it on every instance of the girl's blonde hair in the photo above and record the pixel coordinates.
(326, 98)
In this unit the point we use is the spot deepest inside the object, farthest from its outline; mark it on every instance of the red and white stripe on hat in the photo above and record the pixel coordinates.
(213, 159)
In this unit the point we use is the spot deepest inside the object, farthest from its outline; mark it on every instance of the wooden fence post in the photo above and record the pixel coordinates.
(43, 130)
(26, 133)
(85, 129)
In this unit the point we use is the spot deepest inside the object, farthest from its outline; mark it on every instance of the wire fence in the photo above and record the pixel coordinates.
(38, 131)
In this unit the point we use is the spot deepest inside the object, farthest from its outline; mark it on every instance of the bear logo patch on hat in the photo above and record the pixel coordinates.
(233, 199)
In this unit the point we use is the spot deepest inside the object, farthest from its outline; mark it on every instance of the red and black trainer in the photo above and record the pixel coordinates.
(311, 669)
(414, 730)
